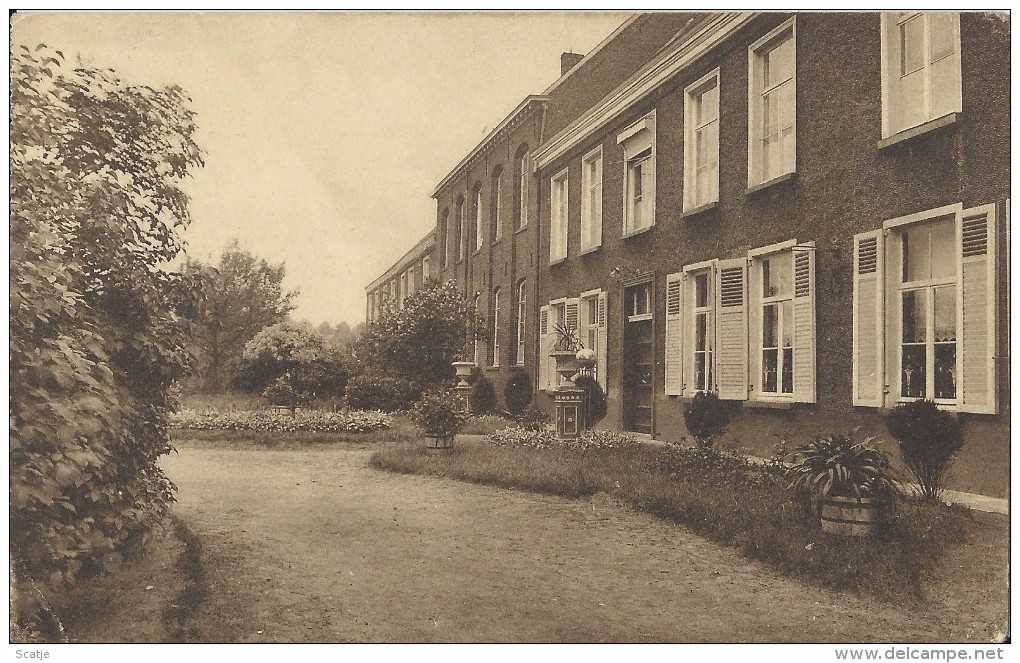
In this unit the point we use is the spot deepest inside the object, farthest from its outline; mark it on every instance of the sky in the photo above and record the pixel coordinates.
(325, 133)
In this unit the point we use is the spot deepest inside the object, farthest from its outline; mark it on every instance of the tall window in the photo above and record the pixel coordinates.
(701, 140)
(497, 203)
(410, 282)
(777, 323)
(522, 315)
(523, 177)
(444, 225)
(704, 329)
(927, 293)
(425, 269)
(638, 142)
(559, 214)
(921, 71)
(591, 204)
(495, 327)
(478, 218)
(772, 151)
(461, 235)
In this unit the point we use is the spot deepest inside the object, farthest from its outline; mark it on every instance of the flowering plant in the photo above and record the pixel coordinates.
(586, 355)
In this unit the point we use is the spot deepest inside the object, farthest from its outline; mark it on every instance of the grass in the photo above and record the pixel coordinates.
(731, 506)
(483, 424)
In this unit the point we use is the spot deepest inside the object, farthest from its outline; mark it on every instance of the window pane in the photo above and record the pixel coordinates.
(787, 323)
(772, 112)
(769, 326)
(787, 370)
(700, 332)
(914, 316)
(943, 237)
(777, 275)
(945, 314)
(769, 361)
(916, 254)
(701, 290)
(788, 150)
(940, 33)
(779, 63)
(912, 380)
(945, 370)
(700, 376)
(708, 105)
(786, 105)
(911, 45)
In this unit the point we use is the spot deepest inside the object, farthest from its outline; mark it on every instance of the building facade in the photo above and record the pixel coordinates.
(806, 214)
(403, 278)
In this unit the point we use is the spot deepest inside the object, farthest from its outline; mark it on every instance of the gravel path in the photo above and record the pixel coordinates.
(315, 546)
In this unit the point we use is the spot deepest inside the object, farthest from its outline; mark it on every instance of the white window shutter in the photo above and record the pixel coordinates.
(731, 343)
(674, 335)
(804, 390)
(573, 307)
(603, 343)
(976, 354)
(868, 328)
(543, 348)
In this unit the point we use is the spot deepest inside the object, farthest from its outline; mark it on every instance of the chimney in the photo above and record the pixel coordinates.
(568, 61)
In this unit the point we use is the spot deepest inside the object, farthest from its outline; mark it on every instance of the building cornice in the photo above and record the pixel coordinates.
(509, 123)
(643, 82)
(413, 255)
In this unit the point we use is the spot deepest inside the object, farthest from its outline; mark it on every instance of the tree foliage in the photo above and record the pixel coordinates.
(241, 296)
(419, 341)
(297, 357)
(97, 321)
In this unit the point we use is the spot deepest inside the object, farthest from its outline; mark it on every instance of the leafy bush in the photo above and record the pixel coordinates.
(594, 400)
(319, 422)
(483, 396)
(98, 322)
(313, 369)
(929, 439)
(517, 393)
(374, 392)
(837, 465)
(706, 417)
(281, 392)
(546, 439)
(439, 412)
(534, 418)
(696, 465)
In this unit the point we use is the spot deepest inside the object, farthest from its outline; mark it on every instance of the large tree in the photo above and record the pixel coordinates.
(97, 317)
(241, 296)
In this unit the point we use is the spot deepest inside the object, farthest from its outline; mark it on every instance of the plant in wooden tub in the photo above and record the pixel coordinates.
(852, 480)
(439, 414)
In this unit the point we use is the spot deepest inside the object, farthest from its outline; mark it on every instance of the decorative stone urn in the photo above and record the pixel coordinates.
(566, 367)
(463, 369)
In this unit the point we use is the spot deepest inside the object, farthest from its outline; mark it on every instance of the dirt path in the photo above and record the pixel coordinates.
(315, 546)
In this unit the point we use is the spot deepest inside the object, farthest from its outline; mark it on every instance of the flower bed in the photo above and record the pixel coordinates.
(546, 439)
(314, 421)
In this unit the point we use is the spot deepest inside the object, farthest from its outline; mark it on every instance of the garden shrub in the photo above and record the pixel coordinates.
(706, 418)
(439, 412)
(483, 396)
(264, 421)
(517, 393)
(929, 439)
(375, 392)
(294, 351)
(534, 418)
(98, 322)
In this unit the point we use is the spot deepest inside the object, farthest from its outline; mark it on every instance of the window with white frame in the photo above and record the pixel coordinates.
(425, 274)
(410, 281)
(701, 140)
(920, 69)
(402, 289)
(495, 327)
(593, 332)
(522, 316)
(775, 310)
(702, 329)
(772, 82)
(638, 143)
(523, 176)
(479, 236)
(444, 226)
(559, 211)
(497, 203)
(591, 204)
(925, 310)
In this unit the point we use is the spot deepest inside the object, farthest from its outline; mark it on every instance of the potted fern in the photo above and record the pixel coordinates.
(439, 414)
(852, 480)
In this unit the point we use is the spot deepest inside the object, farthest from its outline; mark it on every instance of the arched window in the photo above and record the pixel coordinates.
(444, 233)
(497, 201)
(461, 235)
(495, 327)
(522, 319)
(523, 172)
(479, 234)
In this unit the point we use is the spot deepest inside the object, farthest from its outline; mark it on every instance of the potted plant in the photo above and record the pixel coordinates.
(851, 480)
(565, 351)
(929, 439)
(439, 414)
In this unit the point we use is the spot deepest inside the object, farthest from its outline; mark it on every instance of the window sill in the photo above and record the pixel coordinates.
(557, 261)
(590, 250)
(695, 211)
(767, 405)
(491, 369)
(520, 230)
(907, 134)
(635, 233)
(498, 240)
(770, 183)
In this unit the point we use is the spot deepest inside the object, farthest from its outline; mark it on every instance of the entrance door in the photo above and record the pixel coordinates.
(638, 359)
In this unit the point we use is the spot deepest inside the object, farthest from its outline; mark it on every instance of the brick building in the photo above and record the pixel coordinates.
(403, 278)
(806, 214)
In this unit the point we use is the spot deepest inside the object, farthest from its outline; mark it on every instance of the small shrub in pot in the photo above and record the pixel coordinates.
(438, 413)
(929, 439)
